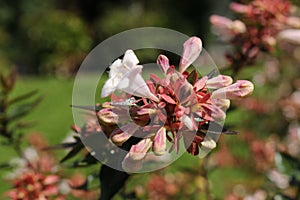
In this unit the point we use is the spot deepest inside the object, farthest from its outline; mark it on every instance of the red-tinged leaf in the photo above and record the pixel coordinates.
(151, 86)
(155, 79)
(8, 81)
(205, 98)
(167, 98)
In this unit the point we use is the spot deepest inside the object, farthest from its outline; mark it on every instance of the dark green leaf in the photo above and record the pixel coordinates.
(112, 181)
(76, 149)
(91, 108)
(22, 110)
(61, 146)
(22, 97)
(86, 161)
(286, 163)
(192, 77)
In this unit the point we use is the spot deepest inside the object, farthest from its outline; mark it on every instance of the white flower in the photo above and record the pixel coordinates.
(125, 75)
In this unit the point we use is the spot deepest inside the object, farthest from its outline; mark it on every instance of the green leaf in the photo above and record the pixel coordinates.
(61, 146)
(22, 110)
(22, 97)
(286, 163)
(86, 161)
(192, 77)
(76, 149)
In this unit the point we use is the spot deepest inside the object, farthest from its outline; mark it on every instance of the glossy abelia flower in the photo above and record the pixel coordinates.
(179, 106)
(125, 75)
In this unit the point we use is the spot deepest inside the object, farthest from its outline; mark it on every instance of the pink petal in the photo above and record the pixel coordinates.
(159, 142)
(219, 82)
(241, 88)
(191, 51)
(163, 63)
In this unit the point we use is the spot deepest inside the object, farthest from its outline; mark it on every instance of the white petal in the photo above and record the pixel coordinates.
(130, 59)
(115, 68)
(108, 88)
(133, 83)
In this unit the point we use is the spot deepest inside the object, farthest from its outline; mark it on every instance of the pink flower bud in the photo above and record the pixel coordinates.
(107, 116)
(220, 21)
(223, 104)
(208, 144)
(222, 27)
(139, 151)
(238, 27)
(191, 50)
(121, 135)
(130, 166)
(163, 63)
(218, 82)
(159, 142)
(294, 22)
(51, 179)
(291, 36)
(241, 88)
(240, 8)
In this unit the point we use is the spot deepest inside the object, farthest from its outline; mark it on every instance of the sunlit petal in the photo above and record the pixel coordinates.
(191, 51)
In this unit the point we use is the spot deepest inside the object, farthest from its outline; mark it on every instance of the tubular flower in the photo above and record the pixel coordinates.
(183, 108)
(125, 75)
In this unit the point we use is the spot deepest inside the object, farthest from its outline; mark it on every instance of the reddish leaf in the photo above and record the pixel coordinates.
(167, 98)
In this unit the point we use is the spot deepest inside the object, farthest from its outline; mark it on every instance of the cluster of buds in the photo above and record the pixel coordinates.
(256, 31)
(181, 105)
(34, 177)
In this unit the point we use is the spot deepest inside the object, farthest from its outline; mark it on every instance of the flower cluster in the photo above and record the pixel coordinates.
(256, 31)
(34, 177)
(181, 105)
